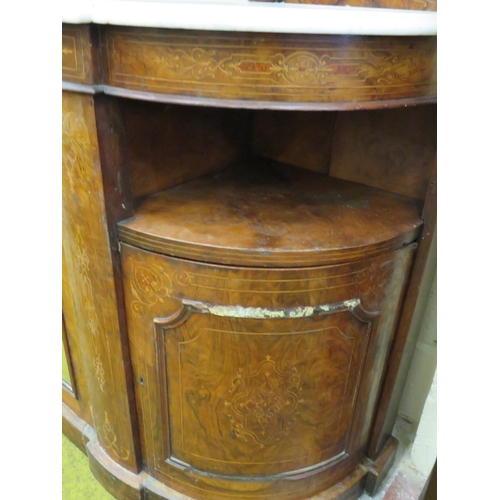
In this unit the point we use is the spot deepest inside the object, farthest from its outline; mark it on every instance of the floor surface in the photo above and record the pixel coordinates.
(403, 482)
(78, 483)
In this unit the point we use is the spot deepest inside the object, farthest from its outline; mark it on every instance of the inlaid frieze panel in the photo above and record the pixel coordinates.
(271, 67)
(77, 54)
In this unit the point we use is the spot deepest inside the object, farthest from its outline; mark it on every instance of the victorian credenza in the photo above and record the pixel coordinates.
(248, 206)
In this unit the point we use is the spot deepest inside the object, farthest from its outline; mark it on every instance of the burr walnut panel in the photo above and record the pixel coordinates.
(271, 67)
(267, 396)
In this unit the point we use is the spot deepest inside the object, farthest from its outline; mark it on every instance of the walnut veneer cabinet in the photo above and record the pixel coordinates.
(246, 220)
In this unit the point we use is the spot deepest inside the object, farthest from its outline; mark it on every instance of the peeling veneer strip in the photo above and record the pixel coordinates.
(262, 312)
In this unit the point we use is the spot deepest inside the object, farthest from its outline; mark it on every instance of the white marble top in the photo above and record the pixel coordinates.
(242, 15)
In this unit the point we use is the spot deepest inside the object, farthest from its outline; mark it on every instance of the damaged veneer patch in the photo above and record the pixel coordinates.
(262, 312)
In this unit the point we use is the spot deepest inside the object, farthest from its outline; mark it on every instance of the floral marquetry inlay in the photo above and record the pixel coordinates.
(108, 438)
(77, 160)
(263, 404)
(150, 285)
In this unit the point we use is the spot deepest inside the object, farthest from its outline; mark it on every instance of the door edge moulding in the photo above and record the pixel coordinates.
(242, 103)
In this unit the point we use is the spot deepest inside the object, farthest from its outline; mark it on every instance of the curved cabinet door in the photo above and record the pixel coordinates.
(248, 393)
(258, 383)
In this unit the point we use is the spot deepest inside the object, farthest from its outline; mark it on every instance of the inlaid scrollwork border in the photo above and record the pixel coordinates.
(269, 67)
(92, 284)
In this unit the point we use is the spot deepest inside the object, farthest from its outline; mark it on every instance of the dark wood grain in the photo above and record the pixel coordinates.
(169, 145)
(390, 149)
(300, 139)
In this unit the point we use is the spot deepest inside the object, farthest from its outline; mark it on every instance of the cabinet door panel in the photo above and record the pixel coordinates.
(253, 396)
(258, 380)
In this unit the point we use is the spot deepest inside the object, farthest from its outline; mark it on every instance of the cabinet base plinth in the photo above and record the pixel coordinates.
(378, 470)
(126, 485)
(75, 428)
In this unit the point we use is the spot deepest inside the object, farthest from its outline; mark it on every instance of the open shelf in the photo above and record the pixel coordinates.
(262, 212)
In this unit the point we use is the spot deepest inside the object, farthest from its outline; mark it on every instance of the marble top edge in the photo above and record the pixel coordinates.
(240, 15)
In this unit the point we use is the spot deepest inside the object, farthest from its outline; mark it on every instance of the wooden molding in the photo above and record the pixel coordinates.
(244, 103)
(378, 469)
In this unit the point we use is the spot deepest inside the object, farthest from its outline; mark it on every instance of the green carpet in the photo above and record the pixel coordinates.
(78, 483)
